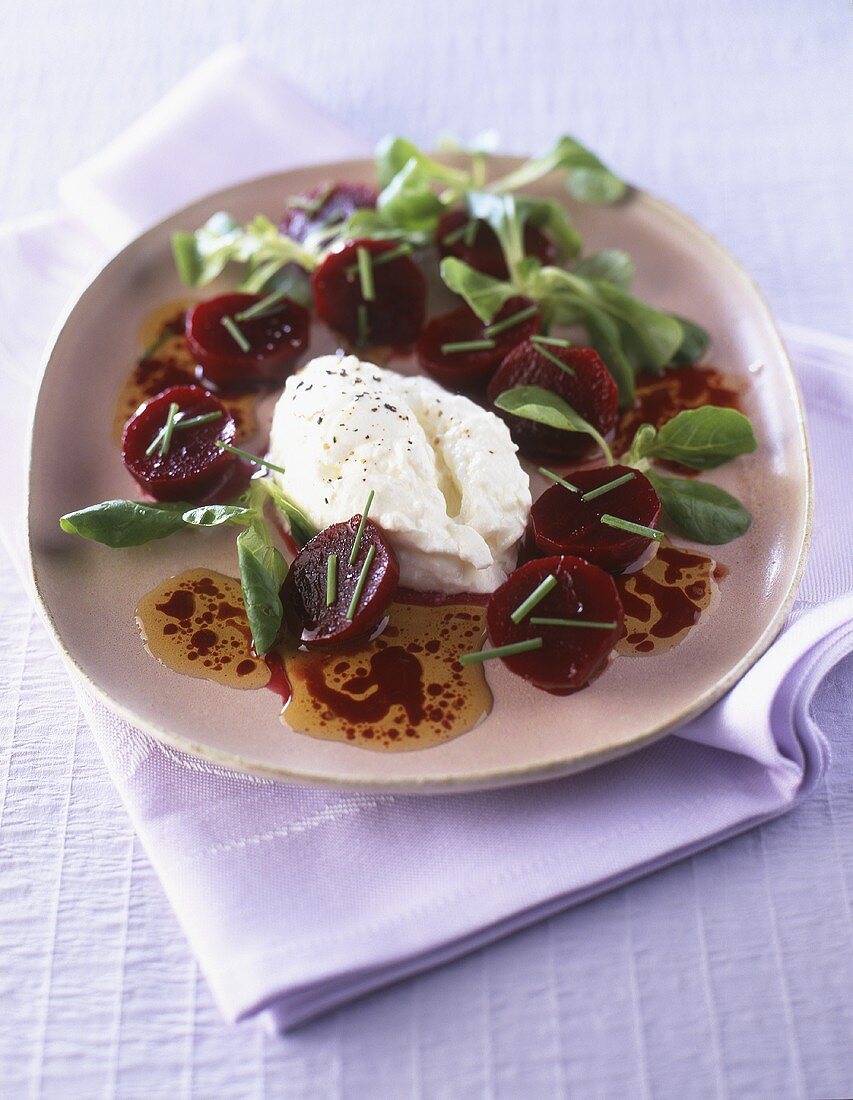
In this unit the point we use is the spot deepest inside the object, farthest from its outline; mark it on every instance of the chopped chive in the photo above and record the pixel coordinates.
(509, 322)
(551, 356)
(536, 596)
(470, 233)
(457, 234)
(261, 307)
(467, 345)
(237, 336)
(560, 480)
(155, 443)
(602, 489)
(384, 257)
(194, 421)
(535, 619)
(311, 206)
(631, 528)
(554, 341)
(356, 546)
(361, 317)
(359, 584)
(168, 428)
(500, 651)
(331, 579)
(365, 274)
(247, 455)
(155, 345)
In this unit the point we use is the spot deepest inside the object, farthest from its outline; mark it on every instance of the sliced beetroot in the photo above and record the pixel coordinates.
(193, 468)
(484, 252)
(570, 656)
(470, 370)
(562, 523)
(395, 314)
(590, 390)
(327, 204)
(303, 594)
(276, 338)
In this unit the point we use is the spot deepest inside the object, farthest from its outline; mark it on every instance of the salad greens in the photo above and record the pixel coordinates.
(122, 523)
(546, 407)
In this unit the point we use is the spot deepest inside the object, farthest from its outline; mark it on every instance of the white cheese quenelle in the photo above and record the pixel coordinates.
(449, 490)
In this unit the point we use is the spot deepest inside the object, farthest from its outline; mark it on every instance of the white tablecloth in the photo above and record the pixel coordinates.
(735, 112)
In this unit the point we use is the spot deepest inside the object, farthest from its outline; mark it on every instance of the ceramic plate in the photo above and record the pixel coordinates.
(89, 593)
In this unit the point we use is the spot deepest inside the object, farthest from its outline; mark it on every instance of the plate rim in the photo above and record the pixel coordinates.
(435, 784)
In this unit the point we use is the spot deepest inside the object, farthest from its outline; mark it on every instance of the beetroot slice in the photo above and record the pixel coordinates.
(193, 468)
(484, 253)
(469, 370)
(303, 594)
(570, 657)
(276, 340)
(591, 392)
(562, 523)
(326, 204)
(396, 313)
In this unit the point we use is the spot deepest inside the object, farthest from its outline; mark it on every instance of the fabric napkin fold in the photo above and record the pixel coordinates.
(296, 900)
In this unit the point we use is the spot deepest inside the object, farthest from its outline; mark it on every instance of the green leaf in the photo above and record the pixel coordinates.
(394, 153)
(613, 266)
(483, 294)
(704, 438)
(262, 572)
(641, 444)
(658, 336)
(545, 407)
(587, 178)
(408, 202)
(119, 523)
(302, 529)
(503, 214)
(694, 343)
(201, 256)
(553, 218)
(212, 515)
(700, 511)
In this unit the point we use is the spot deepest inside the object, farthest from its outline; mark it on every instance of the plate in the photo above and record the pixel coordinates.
(88, 593)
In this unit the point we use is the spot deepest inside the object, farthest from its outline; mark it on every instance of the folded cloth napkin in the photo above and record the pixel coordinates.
(296, 900)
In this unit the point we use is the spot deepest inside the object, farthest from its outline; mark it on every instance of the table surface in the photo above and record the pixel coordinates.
(739, 113)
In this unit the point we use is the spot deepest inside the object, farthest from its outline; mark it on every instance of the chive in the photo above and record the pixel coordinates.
(359, 584)
(168, 428)
(155, 345)
(331, 579)
(155, 442)
(467, 345)
(536, 596)
(551, 356)
(500, 651)
(554, 341)
(509, 322)
(470, 233)
(631, 528)
(457, 234)
(365, 274)
(602, 489)
(238, 337)
(356, 546)
(560, 480)
(261, 307)
(247, 455)
(384, 257)
(361, 317)
(571, 622)
(311, 206)
(194, 421)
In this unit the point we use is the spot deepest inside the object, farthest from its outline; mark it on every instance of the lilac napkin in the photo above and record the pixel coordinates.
(295, 900)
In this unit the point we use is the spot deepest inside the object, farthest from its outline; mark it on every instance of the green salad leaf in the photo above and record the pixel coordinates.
(214, 515)
(408, 201)
(701, 438)
(613, 266)
(483, 294)
(262, 573)
(120, 523)
(701, 511)
(694, 344)
(587, 178)
(546, 407)
(302, 529)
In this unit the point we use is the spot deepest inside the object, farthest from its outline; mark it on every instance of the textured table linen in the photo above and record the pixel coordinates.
(295, 900)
